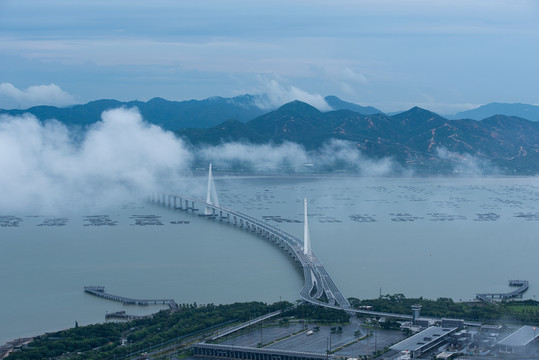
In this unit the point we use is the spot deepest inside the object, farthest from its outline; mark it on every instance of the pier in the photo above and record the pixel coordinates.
(122, 315)
(100, 292)
(517, 293)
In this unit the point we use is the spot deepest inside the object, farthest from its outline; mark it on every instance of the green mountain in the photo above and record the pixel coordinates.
(413, 138)
(170, 115)
(417, 138)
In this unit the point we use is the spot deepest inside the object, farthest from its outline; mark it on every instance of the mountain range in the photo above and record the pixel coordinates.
(173, 115)
(417, 139)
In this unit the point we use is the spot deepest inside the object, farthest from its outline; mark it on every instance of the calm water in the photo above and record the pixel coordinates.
(420, 237)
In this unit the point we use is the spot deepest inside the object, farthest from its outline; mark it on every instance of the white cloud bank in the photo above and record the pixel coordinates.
(334, 155)
(51, 94)
(466, 164)
(276, 94)
(42, 166)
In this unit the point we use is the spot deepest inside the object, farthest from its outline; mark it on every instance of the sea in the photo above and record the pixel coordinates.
(429, 237)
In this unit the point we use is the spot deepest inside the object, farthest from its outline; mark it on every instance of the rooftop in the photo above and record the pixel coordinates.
(521, 337)
(423, 338)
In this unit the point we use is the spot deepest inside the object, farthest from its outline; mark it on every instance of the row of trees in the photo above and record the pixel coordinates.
(446, 307)
(102, 341)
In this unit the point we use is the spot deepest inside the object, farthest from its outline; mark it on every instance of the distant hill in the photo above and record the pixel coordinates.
(170, 115)
(173, 115)
(413, 138)
(524, 111)
(338, 104)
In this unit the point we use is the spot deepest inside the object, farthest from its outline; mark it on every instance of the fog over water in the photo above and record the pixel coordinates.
(43, 162)
(72, 214)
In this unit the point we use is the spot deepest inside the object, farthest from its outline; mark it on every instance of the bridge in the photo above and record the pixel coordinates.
(318, 288)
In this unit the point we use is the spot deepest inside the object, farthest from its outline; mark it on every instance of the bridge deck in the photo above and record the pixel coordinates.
(313, 270)
(523, 286)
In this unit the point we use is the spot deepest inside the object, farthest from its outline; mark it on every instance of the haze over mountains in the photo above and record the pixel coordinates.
(174, 115)
(417, 139)
(525, 111)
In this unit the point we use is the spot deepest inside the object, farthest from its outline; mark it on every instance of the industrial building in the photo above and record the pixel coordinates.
(520, 342)
(424, 341)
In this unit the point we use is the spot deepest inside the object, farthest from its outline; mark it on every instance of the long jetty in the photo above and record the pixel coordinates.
(124, 316)
(523, 286)
(100, 292)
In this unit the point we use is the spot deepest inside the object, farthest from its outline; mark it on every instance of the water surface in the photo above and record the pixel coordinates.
(420, 237)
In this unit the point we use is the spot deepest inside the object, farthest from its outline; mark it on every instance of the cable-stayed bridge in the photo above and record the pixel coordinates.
(318, 288)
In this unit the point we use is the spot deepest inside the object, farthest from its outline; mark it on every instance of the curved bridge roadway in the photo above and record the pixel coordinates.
(318, 282)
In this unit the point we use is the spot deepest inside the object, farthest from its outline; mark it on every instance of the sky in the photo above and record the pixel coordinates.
(445, 56)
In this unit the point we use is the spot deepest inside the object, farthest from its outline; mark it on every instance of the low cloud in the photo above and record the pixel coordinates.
(335, 155)
(275, 94)
(344, 155)
(466, 164)
(12, 97)
(354, 76)
(266, 157)
(42, 166)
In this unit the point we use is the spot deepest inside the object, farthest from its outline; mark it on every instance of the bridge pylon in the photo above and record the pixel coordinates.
(306, 238)
(211, 196)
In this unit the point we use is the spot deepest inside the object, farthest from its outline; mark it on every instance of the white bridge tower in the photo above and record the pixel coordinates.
(306, 238)
(211, 196)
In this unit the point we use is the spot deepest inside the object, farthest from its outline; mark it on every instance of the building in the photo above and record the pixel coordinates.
(447, 323)
(424, 341)
(520, 342)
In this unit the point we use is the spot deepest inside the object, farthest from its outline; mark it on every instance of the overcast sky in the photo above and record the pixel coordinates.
(443, 55)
